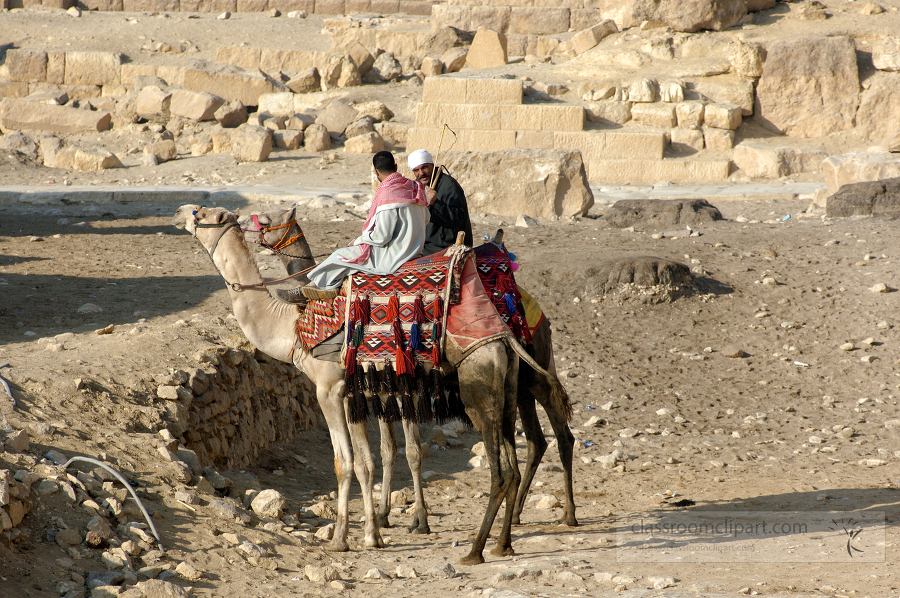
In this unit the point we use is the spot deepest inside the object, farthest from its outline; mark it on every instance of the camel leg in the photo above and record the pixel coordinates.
(508, 458)
(365, 470)
(414, 458)
(388, 459)
(536, 442)
(565, 442)
(482, 381)
(331, 403)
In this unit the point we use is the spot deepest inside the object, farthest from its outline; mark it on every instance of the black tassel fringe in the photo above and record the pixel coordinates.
(424, 409)
(391, 410)
(441, 410)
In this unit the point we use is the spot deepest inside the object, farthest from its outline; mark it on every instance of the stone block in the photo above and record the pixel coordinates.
(727, 89)
(431, 66)
(361, 57)
(658, 115)
(231, 115)
(722, 116)
(251, 143)
(228, 82)
(336, 117)
(488, 49)
(608, 112)
(195, 105)
(153, 103)
(26, 65)
(538, 20)
(886, 53)
(689, 15)
(458, 116)
(276, 103)
(163, 150)
(13, 89)
(638, 146)
(486, 141)
(93, 68)
(534, 139)
(22, 115)
(86, 159)
(858, 167)
(357, 6)
(416, 7)
(470, 18)
(747, 58)
(331, 7)
(526, 117)
(195, 6)
(316, 138)
(879, 104)
(241, 56)
(719, 140)
(493, 91)
(104, 5)
(56, 67)
(308, 81)
(454, 59)
(643, 90)
(562, 118)
(275, 59)
(130, 70)
(287, 139)
(424, 137)
(591, 144)
(395, 135)
(368, 143)
(81, 92)
(689, 114)
(252, 6)
(385, 7)
(221, 139)
(654, 171)
(588, 38)
(220, 6)
(447, 90)
(286, 6)
(681, 139)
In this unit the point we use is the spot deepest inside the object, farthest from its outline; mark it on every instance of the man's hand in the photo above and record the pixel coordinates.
(430, 195)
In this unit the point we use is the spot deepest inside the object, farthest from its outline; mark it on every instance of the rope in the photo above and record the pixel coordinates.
(127, 487)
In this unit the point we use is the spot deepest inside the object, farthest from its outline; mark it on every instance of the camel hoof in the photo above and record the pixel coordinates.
(516, 520)
(419, 528)
(382, 521)
(376, 542)
(336, 545)
(569, 520)
(472, 559)
(498, 551)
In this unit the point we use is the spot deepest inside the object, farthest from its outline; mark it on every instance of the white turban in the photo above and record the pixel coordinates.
(417, 158)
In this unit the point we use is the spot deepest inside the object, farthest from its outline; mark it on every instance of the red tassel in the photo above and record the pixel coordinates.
(438, 310)
(393, 308)
(364, 312)
(350, 360)
(418, 310)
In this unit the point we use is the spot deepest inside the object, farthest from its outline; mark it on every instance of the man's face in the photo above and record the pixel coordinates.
(423, 173)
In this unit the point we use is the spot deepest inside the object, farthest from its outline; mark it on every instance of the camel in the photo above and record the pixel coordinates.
(487, 379)
(278, 230)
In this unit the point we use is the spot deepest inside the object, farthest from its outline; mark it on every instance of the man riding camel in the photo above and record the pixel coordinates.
(448, 208)
(393, 233)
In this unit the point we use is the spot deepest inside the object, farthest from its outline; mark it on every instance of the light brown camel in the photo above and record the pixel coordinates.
(487, 378)
(279, 231)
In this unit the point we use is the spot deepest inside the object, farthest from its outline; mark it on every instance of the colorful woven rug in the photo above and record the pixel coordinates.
(320, 320)
(495, 270)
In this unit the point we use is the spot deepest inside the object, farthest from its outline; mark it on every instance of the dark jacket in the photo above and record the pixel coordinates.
(449, 214)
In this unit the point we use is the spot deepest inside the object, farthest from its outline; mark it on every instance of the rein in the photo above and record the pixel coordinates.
(236, 286)
(282, 243)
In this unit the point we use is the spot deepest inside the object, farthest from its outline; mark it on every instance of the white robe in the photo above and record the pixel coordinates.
(397, 236)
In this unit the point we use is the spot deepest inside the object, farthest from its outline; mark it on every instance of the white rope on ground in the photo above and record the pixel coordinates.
(127, 486)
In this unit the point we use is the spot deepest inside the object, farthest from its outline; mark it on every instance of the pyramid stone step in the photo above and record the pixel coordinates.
(654, 171)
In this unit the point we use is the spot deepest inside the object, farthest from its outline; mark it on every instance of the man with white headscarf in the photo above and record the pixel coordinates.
(449, 211)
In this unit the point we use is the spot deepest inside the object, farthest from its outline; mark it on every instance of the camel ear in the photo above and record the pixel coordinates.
(237, 212)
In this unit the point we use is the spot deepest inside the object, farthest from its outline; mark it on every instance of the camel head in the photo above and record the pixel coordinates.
(189, 216)
(274, 219)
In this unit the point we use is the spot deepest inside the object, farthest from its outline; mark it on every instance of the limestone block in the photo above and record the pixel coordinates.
(686, 139)
(493, 91)
(129, 71)
(316, 138)
(79, 92)
(227, 82)
(26, 65)
(689, 114)
(86, 159)
(364, 125)
(761, 161)
(416, 7)
(221, 139)
(288, 139)
(331, 7)
(727, 89)
(93, 68)
(542, 183)
(446, 90)
(671, 91)
(643, 90)
(878, 106)
(719, 140)
(654, 171)
(394, 134)
(488, 49)
(385, 68)
(195, 105)
(252, 5)
(243, 57)
(308, 81)
(454, 59)
(231, 115)
(690, 15)
(153, 103)
(747, 58)
(526, 117)
(486, 141)
(722, 116)
(251, 143)
(221, 6)
(459, 116)
(534, 139)
(56, 97)
(658, 115)
(368, 143)
(432, 66)
(608, 112)
(340, 71)
(299, 122)
(424, 137)
(18, 114)
(587, 39)
(201, 144)
(886, 53)
(591, 144)
(639, 146)
(857, 167)
(163, 150)
(56, 67)
(810, 86)
(13, 89)
(195, 5)
(289, 6)
(385, 6)
(104, 5)
(470, 18)
(361, 57)
(336, 117)
(538, 20)
(562, 118)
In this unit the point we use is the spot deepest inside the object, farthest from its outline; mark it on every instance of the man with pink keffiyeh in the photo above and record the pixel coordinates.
(393, 233)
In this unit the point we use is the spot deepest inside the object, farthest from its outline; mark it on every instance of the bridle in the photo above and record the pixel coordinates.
(284, 242)
(226, 226)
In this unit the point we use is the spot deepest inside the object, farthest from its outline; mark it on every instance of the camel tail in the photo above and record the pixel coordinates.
(558, 393)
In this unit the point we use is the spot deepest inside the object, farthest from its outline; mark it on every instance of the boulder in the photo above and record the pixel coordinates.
(85, 158)
(155, 588)
(316, 138)
(859, 167)
(377, 110)
(386, 68)
(55, 97)
(287, 139)
(21, 143)
(488, 49)
(886, 54)
(195, 105)
(666, 279)
(361, 57)
(432, 66)
(879, 105)
(362, 126)
(163, 150)
(454, 59)
(368, 143)
(444, 39)
(251, 143)
(691, 15)
(394, 134)
(268, 503)
(588, 38)
(153, 103)
(201, 144)
(875, 198)
(299, 121)
(760, 161)
(671, 92)
(544, 183)
(231, 115)
(339, 71)
(337, 117)
(747, 58)
(643, 90)
(655, 213)
(809, 87)
(17, 114)
(308, 81)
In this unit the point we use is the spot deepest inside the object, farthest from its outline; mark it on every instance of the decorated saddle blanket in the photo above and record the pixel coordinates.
(320, 320)
(514, 306)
